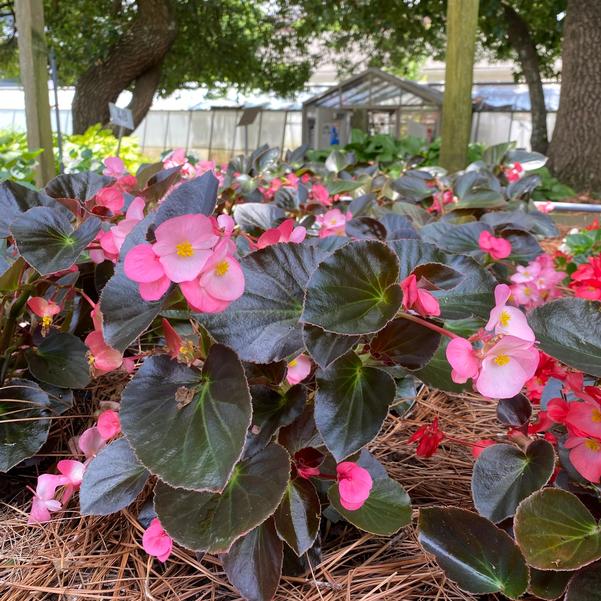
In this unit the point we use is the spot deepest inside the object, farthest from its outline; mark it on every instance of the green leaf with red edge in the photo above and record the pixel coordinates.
(47, 241)
(473, 552)
(405, 343)
(325, 347)
(263, 326)
(504, 475)
(272, 409)
(254, 563)
(188, 426)
(301, 433)
(556, 531)
(22, 400)
(569, 329)
(386, 510)
(60, 360)
(548, 585)
(355, 290)
(351, 404)
(585, 584)
(79, 186)
(112, 480)
(212, 522)
(298, 516)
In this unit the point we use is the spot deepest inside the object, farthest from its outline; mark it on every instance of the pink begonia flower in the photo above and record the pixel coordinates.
(43, 500)
(580, 418)
(463, 359)
(44, 309)
(114, 167)
(102, 357)
(108, 424)
(544, 206)
(354, 485)
(439, 199)
(178, 158)
(418, 298)
(506, 319)
(479, 446)
(183, 246)
(73, 475)
(226, 224)
(292, 180)
(320, 194)
(110, 197)
(499, 371)
(133, 216)
(156, 541)
(332, 223)
(143, 266)
(220, 283)
(298, 369)
(506, 367)
(497, 248)
(526, 274)
(307, 462)
(585, 456)
(285, 232)
(90, 442)
(204, 166)
(537, 283)
(513, 172)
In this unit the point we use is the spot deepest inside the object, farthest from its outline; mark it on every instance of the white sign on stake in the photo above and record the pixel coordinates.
(121, 116)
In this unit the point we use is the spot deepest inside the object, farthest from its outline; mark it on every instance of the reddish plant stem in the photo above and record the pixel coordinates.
(428, 324)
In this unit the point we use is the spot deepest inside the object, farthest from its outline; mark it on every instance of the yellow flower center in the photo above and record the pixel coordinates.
(502, 360)
(527, 291)
(46, 321)
(293, 363)
(596, 416)
(593, 445)
(91, 359)
(221, 268)
(184, 249)
(504, 318)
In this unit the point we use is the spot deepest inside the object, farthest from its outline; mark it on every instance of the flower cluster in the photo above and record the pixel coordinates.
(195, 252)
(53, 491)
(499, 359)
(586, 280)
(536, 283)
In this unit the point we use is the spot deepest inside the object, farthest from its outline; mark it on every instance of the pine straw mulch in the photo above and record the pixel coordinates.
(75, 558)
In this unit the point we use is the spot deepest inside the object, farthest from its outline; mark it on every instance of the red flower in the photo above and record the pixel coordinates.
(586, 280)
(307, 462)
(428, 439)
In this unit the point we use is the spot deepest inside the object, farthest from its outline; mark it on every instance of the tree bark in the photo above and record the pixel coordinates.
(575, 149)
(522, 42)
(135, 59)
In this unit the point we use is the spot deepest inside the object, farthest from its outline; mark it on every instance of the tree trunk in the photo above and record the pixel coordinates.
(575, 149)
(135, 59)
(522, 43)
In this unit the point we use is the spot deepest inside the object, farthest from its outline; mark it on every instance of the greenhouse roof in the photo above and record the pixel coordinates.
(374, 88)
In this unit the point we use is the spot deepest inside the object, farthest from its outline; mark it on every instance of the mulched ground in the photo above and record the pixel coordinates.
(75, 558)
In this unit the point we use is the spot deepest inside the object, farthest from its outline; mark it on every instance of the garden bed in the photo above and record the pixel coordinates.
(74, 557)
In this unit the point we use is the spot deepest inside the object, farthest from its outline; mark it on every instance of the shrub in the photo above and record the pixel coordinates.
(270, 313)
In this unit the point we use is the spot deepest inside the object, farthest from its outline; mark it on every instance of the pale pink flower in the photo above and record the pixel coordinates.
(73, 475)
(529, 273)
(416, 297)
(497, 248)
(133, 216)
(183, 245)
(43, 500)
(108, 424)
(156, 541)
(298, 369)
(225, 224)
(585, 456)
(114, 167)
(220, 283)
(506, 367)
(332, 223)
(46, 309)
(354, 485)
(178, 158)
(463, 359)
(505, 319)
(91, 442)
(143, 266)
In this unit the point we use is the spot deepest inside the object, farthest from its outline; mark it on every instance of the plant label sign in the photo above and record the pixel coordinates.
(121, 116)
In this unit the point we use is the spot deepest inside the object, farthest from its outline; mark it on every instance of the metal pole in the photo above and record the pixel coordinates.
(189, 130)
(119, 139)
(211, 134)
(57, 113)
(284, 134)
